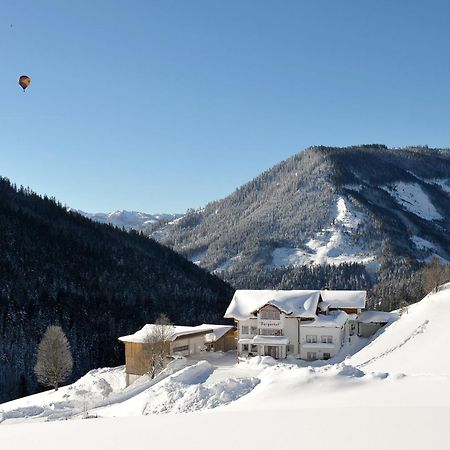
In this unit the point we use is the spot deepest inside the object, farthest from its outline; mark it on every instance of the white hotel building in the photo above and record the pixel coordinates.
(304, 324)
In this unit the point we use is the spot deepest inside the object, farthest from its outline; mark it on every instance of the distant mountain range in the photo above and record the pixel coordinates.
(129, 219)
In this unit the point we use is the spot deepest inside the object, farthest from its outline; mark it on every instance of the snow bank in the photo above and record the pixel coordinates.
(416, 343)
(184, 391)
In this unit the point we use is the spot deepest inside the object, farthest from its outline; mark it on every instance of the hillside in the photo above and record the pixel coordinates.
(346, 218)
(94, 280)
(327, 206)
(394, 383)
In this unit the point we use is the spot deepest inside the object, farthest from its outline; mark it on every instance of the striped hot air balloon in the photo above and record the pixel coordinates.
(24, 82)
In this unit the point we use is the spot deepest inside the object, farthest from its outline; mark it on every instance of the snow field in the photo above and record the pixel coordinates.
(411, 197)
(330, 246)
(392, 393)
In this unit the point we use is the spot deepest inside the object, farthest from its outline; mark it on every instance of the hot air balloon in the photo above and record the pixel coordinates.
(24, 82)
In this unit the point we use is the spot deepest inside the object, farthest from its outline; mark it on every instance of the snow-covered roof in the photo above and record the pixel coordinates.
(344, 299)
(335, 319)
(376, 317)
(298, 303)
(176, 331)
(218, 331)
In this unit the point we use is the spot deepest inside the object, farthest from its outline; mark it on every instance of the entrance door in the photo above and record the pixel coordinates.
(271, 350)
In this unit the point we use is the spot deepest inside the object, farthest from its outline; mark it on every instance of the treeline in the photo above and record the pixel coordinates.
(398, 281)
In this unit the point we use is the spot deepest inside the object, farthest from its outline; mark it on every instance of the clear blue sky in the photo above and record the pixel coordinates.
(165, 105)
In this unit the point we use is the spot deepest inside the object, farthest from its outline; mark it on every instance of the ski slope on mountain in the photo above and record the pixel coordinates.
(397, 386)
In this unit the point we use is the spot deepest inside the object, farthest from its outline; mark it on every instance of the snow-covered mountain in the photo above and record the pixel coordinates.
(388, 391)
(129, 219)
(326, 206)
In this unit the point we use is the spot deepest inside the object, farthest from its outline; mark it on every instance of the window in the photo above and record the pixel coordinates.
(181, 348)
(244, 329)
(327, 339)
(326, 356)
(310, 339)
(245, 347)
(311, 355)
(269, 315)
(253, 330)
(254, 349)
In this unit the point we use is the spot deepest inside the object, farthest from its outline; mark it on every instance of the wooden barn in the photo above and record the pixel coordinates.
(181, 341)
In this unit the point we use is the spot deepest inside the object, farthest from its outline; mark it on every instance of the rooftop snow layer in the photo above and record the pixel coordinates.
(344, 299)
(297, 303)
(176, 331)
(218, 331)
(377, 317)
(335, 319)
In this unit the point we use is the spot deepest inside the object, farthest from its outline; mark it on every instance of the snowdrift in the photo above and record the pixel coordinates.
(415, 344)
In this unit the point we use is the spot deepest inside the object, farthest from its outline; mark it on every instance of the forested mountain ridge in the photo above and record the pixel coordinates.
(363, 217)
(94, 280)
(325, 205)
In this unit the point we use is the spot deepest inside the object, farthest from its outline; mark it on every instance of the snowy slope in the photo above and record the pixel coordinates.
(333, 245)
(412, 197)
(399, 381)
(416, 344)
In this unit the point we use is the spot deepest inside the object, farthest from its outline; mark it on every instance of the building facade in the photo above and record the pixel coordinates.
(303, 324)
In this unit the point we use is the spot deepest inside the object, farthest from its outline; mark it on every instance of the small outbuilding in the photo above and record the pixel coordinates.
(369, 322)
(180, 341)
(222, 339)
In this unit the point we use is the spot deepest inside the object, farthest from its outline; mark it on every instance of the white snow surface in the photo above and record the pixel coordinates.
(173, 332)
(330, 246)
(393, 386)
(422, 244)
(377, 317)
(411, 197)
(335, 319)
(344, 299)
(297, 303)
(300, 303)
(443, 183)
(217, 333)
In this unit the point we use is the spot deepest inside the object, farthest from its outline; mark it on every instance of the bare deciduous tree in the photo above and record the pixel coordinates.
(54, 359)
(157, 345)
(403, 307)
(435, 274)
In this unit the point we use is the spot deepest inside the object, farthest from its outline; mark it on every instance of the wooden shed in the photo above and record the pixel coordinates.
(182, 341)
